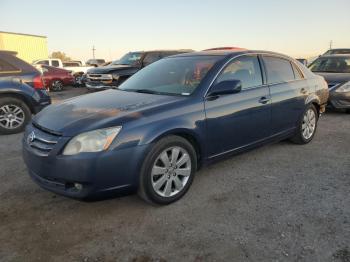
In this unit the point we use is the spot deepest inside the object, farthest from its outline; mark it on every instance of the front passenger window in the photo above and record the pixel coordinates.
(246, 69)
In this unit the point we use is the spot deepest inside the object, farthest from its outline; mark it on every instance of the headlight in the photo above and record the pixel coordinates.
(93, 141)
(343, 88)
(115, 77)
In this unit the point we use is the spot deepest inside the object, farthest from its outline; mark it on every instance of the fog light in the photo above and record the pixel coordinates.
(78, 186)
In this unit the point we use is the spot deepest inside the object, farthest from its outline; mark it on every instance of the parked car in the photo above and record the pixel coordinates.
(338, 51)
(56, 78)
(336, 70)
(95, 62)
(169, 119)
(22, 93)
(303, 61)
(117, 72)
(77, 68)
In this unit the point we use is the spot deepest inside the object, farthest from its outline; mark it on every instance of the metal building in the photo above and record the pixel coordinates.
(28, 47)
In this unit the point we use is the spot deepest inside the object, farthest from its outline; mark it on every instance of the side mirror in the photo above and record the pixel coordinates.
(226, 87)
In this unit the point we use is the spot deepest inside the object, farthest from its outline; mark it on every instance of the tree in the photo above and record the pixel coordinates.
(60, 55)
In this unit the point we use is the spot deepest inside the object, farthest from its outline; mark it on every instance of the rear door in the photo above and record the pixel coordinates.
(288, 90)
(241, 119)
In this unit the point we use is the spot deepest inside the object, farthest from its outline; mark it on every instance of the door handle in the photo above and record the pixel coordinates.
(303, 91)
(264, 100)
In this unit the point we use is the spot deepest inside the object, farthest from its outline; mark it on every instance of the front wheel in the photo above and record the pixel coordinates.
(307, 126)
(168, 171)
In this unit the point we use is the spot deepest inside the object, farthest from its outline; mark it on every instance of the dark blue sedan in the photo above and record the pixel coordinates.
(172, 117)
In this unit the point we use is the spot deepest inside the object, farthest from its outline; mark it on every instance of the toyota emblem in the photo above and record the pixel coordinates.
(31, 137)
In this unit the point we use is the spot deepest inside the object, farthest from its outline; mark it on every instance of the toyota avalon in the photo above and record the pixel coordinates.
(153, 132)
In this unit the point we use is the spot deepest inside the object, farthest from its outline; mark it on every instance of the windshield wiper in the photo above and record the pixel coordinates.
(146, 91)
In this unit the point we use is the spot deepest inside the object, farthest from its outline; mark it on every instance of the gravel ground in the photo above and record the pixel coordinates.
(280, 202)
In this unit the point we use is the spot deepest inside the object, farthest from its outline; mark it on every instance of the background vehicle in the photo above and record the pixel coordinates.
(118, 71)
(171, 117)
(336, 70)
(303, 61)
(56, 78)
(22, 93)
(95, 62)
(338, 51)
(76, 67)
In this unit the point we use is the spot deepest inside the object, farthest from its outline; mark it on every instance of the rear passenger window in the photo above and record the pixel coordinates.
(246, 69)
(278, 70)
(298, 75)
(55, 63)
(6, 67)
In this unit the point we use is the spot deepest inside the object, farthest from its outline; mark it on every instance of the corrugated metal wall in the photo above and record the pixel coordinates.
(28, 47)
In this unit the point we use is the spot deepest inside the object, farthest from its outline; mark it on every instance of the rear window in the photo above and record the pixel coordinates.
(6, 67)
(55, 63)
(278, 70)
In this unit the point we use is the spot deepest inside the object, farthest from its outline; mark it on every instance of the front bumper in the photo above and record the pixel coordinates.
(96, 85)
(339, 100)
(113, 170)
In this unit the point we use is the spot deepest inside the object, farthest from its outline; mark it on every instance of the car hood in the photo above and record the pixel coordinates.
(99, 110)
(110, 69)
(335, 78)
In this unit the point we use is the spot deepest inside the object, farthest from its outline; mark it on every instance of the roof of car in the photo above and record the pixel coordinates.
(225, 52)
(8, 52)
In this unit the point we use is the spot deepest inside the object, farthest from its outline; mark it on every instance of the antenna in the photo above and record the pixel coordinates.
(330, 44)
(93, 52)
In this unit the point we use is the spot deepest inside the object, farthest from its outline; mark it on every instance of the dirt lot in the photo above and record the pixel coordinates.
(281, 202)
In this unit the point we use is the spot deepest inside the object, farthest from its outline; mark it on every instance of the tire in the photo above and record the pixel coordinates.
(14, 115)
(177, 178)
(56, 85)
(307, 126)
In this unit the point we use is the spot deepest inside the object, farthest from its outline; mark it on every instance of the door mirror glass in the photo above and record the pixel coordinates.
(226, 87)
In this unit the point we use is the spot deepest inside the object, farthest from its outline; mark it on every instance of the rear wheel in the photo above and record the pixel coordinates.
(14, 115)
(168, 171)
(57, 85)
(307, 126)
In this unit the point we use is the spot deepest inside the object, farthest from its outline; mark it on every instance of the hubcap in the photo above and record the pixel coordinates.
(11, 116)
(171, 171)
(57, 85)
(309, 124)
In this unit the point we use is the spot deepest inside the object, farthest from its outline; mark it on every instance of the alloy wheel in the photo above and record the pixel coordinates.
(57, 85)
(309, 124)
(171, 171)
(11, 116)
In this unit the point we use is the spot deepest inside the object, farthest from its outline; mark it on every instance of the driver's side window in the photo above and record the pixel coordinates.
(244, 68)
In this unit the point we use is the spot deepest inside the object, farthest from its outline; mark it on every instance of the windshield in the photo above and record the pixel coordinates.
(331, 65)
(128, 59)
(171, 76)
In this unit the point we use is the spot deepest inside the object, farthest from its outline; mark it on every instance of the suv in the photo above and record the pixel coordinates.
(118, 71)
(95, 62)
(22, 93)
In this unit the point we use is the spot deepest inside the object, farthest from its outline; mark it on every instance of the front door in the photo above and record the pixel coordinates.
(238, 120)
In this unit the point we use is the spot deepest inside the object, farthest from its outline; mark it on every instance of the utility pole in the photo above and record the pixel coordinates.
(93, 52)
(330, 44)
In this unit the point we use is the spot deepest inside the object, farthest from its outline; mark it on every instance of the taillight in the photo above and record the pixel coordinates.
(38, 82)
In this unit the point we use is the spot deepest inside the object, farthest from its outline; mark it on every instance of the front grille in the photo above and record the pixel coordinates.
(41, 142)
(100, 77)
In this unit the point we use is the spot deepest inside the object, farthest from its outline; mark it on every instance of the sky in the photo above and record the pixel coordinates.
(299, 28)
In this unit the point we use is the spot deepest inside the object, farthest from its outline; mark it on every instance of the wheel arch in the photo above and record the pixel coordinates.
(20, 97)
(190, 136)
